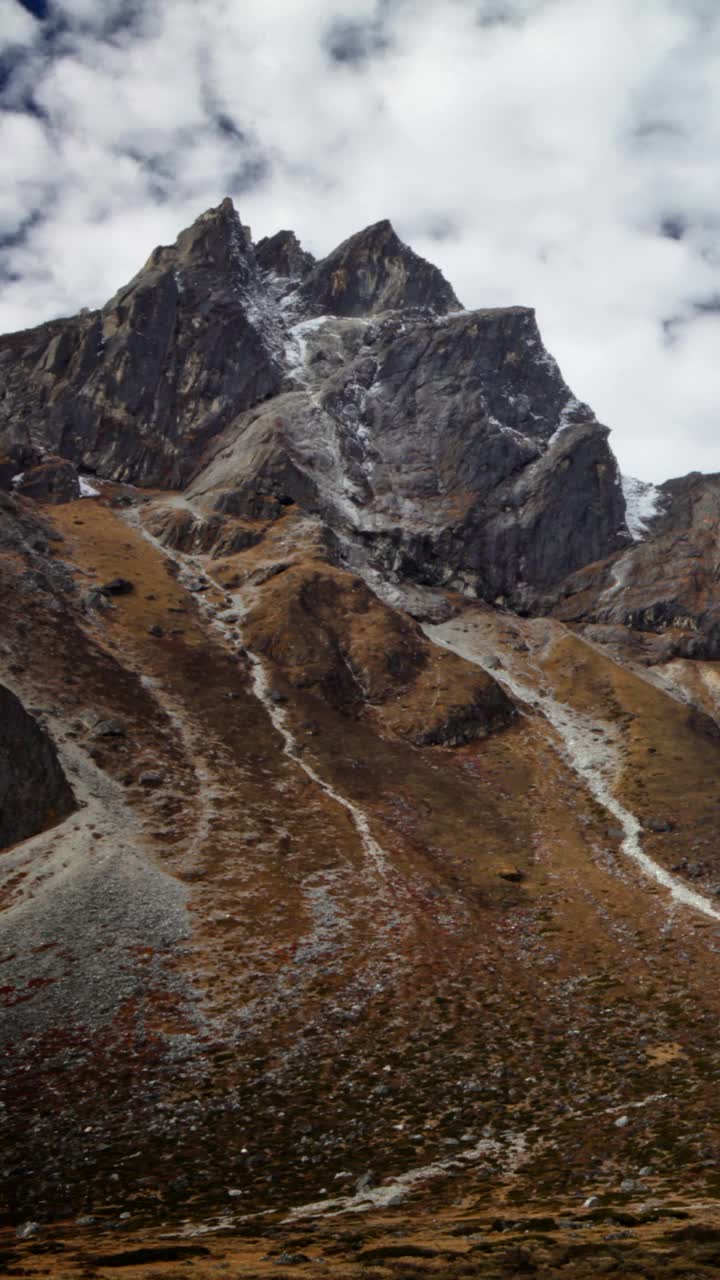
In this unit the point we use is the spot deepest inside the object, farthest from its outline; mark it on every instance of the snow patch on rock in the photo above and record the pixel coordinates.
(643, 502)
(508, 1152)
(567, 419)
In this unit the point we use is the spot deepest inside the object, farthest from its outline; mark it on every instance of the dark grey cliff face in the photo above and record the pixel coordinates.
(444, 449)
(666, 584)
(438, 444)
(136, 390)
(33, 789)
(284, 255)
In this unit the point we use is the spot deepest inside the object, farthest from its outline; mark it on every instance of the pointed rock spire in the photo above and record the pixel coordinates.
(283, 254)
(374, 271)
(216, 237)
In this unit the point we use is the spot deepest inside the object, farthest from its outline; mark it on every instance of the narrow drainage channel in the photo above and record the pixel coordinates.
(591, 759)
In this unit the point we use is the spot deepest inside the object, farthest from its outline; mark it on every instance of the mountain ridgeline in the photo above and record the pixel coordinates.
(441, 443)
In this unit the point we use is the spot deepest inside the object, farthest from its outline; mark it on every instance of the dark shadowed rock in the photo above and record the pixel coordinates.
(54, 480)
(284, 255)
(33, 789)
(8, 471)
(117, 587)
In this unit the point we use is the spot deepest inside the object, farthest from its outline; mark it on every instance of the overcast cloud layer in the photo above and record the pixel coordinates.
(557, 153)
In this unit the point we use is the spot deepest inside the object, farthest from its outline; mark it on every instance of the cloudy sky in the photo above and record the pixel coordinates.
(557, 153)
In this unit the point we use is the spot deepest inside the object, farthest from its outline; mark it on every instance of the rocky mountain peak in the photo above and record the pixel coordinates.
(442, 444)
(374, 271)
(215, 252)
(217, 237)
(284, 255)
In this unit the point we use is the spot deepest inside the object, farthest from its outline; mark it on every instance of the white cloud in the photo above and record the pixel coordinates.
(532, 148)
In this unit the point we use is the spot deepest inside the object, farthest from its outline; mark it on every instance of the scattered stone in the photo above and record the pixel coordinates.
(592, 1202)
(512, 874)
(622, 1122)
(110, 729)
(27, 1229)
(151, 777)
(118, 587)
(365, 1182)
(96, 599)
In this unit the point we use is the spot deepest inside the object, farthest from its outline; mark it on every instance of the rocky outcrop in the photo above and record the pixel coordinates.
(181, 530)
(28, 543)
(24, 533)
(53, 480)
(330, 635)
(34, 791)
(283, 255)
(667, 585)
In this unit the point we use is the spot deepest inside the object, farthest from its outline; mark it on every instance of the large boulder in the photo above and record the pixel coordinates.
(34, 791)
(54, 480)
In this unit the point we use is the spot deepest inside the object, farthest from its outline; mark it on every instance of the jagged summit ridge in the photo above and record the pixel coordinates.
(442, 443)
